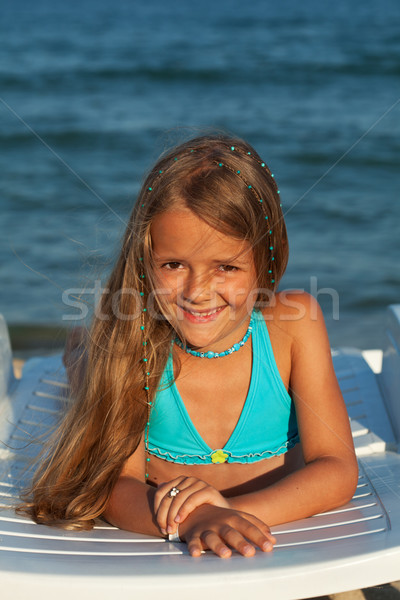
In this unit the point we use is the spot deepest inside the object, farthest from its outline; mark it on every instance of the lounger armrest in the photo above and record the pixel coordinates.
(389, 378)
(7, 380)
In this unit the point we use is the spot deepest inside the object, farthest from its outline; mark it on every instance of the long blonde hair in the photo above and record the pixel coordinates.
(225, 183)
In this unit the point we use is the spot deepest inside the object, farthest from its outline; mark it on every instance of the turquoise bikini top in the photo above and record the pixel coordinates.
(266, 427)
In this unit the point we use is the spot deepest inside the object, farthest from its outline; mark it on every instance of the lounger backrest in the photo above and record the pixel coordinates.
(6, 367)
(389, 378)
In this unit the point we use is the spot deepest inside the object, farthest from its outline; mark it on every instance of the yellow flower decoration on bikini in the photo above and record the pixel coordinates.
(219, 456)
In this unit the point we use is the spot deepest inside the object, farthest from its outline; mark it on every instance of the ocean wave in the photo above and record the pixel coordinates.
(300, 71)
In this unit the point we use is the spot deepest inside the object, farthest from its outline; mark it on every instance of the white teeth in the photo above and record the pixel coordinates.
(202, 314)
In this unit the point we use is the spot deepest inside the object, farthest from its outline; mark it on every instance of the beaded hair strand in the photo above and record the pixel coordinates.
(265, 168)
(145, 366)
(259, 200)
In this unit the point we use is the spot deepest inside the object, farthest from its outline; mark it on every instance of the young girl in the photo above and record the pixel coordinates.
(205, 399)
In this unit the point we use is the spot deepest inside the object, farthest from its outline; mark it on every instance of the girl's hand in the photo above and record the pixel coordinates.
(170, 511)
(220, 529)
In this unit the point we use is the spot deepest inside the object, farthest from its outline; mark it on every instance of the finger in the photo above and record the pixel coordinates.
(271, 538)
(195, 546)
(263, 528)
(163, 490)
(163, 504)
(236, 540)
(213, 542)
(259, 536)
(198, 491)
(264, 538)
(170, 507)
(205, 495)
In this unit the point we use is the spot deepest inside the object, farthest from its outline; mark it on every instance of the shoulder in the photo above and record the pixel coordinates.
(289, 317)
(294, 318)
(295, 312)
(291, 304)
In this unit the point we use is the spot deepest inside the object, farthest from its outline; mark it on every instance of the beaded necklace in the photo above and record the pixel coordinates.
(211, 354)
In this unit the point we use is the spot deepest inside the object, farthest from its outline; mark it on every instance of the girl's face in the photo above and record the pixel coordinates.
(206, 281)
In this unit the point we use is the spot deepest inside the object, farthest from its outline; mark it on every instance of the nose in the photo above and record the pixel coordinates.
(198, 288)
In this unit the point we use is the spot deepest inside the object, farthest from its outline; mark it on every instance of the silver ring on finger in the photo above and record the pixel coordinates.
(173, 492)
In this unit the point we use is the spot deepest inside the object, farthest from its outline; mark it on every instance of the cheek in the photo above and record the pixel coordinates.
(169, 282)
(241, 289)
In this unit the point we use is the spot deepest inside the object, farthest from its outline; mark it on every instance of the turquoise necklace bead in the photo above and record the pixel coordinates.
(210, 353)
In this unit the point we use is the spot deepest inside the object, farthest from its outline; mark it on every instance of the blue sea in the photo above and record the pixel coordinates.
(92, 91)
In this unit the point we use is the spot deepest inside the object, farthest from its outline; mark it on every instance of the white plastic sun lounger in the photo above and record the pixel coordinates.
(357, 545)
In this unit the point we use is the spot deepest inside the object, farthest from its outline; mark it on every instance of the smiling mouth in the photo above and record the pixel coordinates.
(202, 314)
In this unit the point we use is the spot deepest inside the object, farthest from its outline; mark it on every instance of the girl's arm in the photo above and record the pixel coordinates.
(131, 507)
(131, 504)
(330, 475)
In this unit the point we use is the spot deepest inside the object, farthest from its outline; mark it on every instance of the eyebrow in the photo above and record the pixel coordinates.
(230, 259)
(221, 261)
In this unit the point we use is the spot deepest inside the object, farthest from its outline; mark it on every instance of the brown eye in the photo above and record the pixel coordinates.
(227, 268)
